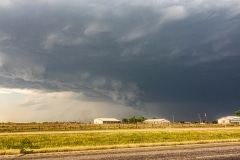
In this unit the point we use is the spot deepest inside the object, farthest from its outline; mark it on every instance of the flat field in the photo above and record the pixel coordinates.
(49, 141)
(63, 126)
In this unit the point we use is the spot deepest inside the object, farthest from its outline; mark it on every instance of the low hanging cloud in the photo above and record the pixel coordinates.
(13, 67)
(123, 93)
(35, 73)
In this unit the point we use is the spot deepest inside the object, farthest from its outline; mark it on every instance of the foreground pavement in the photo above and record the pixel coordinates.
(215, 151)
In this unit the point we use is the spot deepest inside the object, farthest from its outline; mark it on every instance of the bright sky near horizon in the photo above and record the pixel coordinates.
(78, 60)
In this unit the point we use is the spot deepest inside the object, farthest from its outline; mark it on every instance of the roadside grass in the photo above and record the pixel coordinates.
(12, 144)
(60, 126)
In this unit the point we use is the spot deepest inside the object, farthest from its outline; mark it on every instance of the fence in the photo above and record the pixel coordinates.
(35, 127)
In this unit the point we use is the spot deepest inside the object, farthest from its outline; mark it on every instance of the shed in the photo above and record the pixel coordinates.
(229, 120)
(106, 121)
(156, 121)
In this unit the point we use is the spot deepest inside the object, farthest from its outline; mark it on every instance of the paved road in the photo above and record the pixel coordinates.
(219, 151)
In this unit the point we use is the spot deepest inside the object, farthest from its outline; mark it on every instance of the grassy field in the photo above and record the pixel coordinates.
(60, 126)
(26, 143)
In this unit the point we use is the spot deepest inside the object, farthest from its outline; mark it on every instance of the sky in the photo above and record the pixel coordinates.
(77, 60)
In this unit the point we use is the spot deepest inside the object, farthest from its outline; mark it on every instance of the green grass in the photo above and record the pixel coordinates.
(44, 142)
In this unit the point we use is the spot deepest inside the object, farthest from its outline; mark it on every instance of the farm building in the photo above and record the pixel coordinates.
(156, 121)
(229, 120)
(106, 121)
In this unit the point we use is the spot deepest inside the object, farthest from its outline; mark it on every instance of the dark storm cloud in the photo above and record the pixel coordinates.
(157, 51)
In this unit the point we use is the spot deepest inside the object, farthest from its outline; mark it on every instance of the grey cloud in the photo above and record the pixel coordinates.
(14, 66)
(34, 73)
(95, 29)
(55, 39)
(126, 52)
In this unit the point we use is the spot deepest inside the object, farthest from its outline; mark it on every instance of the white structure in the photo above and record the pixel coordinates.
(156, 121)
(106, 120)
(229, 120)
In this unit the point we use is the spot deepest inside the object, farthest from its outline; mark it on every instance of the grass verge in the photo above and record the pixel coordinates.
(42, 143)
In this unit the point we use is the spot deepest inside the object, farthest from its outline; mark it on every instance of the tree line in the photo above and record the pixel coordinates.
(237, 113)
(134, 119)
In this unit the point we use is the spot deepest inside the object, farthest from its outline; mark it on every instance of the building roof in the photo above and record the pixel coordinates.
(156, 120)
(108, 119)
(230, 117)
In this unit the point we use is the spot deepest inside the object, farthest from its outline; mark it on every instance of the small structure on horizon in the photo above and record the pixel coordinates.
(156, 121)
(106, 121)
(229, 120)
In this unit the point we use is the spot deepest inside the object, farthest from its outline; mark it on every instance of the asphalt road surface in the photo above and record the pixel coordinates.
(217, 151)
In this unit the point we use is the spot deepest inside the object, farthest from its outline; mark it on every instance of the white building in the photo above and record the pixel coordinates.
(156, 121)
(106, 120)
(229, 120)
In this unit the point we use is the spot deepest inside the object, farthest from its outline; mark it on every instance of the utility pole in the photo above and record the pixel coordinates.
(205, 117)
(200, 121)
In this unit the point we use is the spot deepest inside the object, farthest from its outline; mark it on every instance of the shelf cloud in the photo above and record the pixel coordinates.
(152, 58)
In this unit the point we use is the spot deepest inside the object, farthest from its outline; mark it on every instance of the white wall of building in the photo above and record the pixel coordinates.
(156, 121)
(229, 120)
(223, 121)
(106, 120)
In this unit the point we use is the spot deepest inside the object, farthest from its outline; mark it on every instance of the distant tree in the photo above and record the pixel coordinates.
(125, 120)
(136, 120)
(141, 119)
(214, 122)
(132, 120)
(237, 113)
